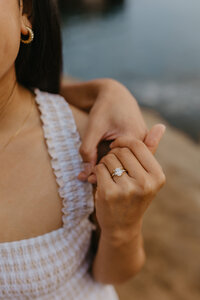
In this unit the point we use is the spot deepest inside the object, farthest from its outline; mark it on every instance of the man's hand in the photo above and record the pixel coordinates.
(113, 112)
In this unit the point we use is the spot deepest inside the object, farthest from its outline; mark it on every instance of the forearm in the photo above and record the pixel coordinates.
(84, 94)
(115, 263)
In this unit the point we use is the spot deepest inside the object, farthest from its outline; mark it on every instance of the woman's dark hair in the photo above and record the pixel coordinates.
(39, 64)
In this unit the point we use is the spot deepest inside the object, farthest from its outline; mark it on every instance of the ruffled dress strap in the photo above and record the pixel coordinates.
(63, 140)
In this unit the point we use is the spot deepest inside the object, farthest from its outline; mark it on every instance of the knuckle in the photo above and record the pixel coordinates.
(107, 158)
(120, 151)
(130, 190)
(127, 139)
(125, 151)
(161, 180)
(135, 143)
(103, 159)
(119, 140)
(148, 187)
(98, 167)
(83, 150)
(151, 187)
(110, 156)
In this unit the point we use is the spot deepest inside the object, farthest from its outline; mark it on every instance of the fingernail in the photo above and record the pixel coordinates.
(162, 129)
(82, 176)
(157, 135)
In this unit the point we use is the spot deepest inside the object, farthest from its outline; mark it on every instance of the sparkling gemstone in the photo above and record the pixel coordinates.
(118, 172)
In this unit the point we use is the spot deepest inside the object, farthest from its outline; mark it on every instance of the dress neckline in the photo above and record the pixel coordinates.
(53, 233)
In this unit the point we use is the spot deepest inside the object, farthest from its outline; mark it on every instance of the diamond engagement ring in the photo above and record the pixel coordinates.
(118, 172)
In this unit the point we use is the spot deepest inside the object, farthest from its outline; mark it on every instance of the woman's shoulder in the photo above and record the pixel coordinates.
(80, 117)
(81, 120)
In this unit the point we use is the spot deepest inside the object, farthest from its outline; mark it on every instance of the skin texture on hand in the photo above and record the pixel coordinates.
(115, 113)
(120, 239)
(151, 140)
(120, 204)
(121, 201)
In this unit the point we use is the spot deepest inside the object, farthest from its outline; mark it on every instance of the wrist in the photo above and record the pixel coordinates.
(73, 90)
(106, 87)
(117, 238)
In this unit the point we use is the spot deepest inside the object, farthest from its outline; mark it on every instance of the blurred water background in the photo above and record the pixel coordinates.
(152, 46)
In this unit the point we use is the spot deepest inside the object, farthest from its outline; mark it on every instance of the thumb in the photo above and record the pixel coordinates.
(154, 136)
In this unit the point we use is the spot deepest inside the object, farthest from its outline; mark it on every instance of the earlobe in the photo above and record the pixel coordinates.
(24, 24)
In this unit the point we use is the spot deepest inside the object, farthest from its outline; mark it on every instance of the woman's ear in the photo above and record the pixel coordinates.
(25, 18)
(25, 22)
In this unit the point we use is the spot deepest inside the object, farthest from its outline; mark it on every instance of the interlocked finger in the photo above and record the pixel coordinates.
(114, 166)
(130, 163)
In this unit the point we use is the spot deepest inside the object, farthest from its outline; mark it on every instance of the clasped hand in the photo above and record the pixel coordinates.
(121, 202)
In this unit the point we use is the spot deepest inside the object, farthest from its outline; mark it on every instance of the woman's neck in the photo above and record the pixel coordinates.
(14, 103)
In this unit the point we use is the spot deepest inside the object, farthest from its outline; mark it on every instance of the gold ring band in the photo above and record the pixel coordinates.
(118, 172)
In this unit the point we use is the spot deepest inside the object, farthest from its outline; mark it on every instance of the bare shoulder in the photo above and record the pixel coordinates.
(81, 119)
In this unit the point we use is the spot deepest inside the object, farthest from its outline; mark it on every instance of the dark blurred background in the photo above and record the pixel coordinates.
(151, 46)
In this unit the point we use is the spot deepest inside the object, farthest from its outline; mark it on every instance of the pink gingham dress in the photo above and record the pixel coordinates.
(54, 266)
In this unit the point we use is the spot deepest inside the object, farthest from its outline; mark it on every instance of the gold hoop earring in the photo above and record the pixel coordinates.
(30, 36)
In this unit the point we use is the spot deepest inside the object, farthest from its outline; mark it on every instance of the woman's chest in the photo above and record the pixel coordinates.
(30, 204)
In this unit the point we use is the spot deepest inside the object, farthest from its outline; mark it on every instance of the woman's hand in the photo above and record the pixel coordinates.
(115, 113)
(122, 201)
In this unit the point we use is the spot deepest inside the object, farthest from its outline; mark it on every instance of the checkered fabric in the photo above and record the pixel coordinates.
(55, 265)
